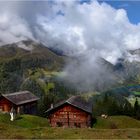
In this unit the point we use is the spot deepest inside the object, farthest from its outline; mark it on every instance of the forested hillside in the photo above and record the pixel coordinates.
(28, 65)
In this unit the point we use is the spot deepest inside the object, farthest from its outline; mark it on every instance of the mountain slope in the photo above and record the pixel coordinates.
(32, 52)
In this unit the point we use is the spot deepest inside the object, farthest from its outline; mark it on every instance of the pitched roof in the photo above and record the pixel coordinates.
(76, 101)
(21, 97)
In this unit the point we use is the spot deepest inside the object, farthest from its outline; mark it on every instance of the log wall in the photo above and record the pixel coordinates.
(70, 116)
(5, 105)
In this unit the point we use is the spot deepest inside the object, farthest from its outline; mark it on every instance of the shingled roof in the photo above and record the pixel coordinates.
(21, 97)
(76, 101)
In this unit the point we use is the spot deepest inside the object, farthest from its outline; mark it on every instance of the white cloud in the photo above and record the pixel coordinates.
(68, 25)
(87, 26)
(13, 29)
(92, 30)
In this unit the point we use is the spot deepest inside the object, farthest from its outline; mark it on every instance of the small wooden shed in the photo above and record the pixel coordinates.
(74, 112)
(23, 102)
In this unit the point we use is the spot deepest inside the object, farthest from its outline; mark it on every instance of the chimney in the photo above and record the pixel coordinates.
(51, 105)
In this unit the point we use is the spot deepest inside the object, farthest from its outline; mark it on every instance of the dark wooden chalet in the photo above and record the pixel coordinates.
(74, 112)
(23, 102)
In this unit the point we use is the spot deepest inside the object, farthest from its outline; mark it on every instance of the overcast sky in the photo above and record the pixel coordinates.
(75, 27)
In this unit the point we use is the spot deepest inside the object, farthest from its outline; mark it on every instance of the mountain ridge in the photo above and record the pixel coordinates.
(32, 54)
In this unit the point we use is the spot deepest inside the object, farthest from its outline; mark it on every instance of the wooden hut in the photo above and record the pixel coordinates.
(23, 102)
(74, 112)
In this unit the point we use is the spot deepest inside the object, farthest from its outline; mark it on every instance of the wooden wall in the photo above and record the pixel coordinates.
(70, 116)
(5, 105)
(29, 108)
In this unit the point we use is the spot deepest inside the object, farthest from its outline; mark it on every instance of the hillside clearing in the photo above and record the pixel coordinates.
(136, 92)
(116, 122)
(34, 127)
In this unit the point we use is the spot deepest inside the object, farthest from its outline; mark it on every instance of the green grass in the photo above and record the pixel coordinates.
(117, 122)
(54, 73)
(69, 133)
(33, 127)
(136, 92)
(25, 121)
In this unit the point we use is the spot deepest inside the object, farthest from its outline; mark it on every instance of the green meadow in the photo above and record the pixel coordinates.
(33, 127)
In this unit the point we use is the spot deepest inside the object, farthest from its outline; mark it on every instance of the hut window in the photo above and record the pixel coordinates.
(78, 125)
(59, 124)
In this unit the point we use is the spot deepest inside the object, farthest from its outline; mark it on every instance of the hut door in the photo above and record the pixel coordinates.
(1, 108)
(5, 108)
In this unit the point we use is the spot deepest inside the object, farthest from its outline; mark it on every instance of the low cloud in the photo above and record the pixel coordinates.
(13, 29)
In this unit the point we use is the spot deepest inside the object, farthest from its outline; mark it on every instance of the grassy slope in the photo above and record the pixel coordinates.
(36, 127)
(117, 122)
(136, 92)
(25, 121)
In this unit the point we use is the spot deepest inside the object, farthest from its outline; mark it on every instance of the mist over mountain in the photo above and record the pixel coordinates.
(97, 74)
(94, 44)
